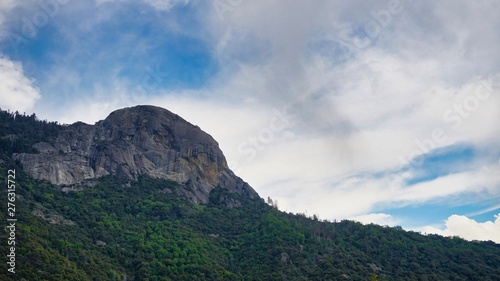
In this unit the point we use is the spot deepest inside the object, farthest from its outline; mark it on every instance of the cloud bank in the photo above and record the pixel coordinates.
(469, 229)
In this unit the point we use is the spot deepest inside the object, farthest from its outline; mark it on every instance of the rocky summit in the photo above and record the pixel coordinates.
(132, 142)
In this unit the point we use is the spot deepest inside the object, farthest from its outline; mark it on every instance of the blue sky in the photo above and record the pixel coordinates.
(383, 111)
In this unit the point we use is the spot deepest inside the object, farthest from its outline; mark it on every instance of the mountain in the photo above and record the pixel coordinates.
(132, 142)
(144, 195)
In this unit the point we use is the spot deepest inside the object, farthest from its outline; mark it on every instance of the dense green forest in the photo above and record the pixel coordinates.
(122, 230)
(18, 132)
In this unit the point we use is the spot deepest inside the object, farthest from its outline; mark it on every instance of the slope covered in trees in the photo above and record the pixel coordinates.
(123, 230)
(18, 132)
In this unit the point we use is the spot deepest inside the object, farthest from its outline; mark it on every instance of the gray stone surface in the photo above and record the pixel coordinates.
(130, 142)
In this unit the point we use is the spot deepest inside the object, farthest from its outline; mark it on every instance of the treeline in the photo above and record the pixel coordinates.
(19, 132)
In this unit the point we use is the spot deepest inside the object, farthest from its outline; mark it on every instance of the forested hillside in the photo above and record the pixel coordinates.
(117, 229)
(18, 132)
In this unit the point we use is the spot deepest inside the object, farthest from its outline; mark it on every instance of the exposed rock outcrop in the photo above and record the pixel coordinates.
(142, 140)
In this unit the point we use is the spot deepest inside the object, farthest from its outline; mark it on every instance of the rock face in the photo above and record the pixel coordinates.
(142, 140)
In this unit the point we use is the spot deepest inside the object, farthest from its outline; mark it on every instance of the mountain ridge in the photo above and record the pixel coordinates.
(135, 141)
(116, 228)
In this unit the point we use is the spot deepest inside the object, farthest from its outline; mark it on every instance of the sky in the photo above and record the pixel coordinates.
(379, 111)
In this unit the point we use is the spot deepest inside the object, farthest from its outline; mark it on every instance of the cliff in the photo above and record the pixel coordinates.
(130, 142)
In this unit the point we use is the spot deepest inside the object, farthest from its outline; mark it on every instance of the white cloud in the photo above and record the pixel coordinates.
(383, 100)
(165, 5)
(469, 229)
(377, 218)
(444, 186)
(17, 92)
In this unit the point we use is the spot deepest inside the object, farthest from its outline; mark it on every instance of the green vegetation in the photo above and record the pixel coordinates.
(18, 132)
(136, 230)
(121, 230)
